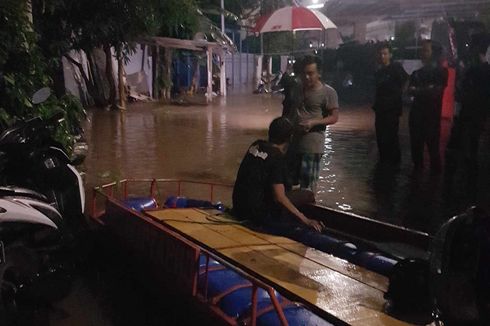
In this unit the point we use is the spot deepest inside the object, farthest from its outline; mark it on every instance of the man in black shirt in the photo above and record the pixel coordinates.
(427, 86)
(260, 188)
(390, 81)
(475, 106)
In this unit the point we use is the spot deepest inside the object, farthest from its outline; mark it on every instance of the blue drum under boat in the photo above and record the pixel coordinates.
(140, 203)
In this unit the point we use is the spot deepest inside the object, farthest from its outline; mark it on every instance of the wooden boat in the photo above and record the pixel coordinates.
(245, 276)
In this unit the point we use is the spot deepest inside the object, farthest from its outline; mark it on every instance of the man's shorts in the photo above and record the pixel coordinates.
(309, 170)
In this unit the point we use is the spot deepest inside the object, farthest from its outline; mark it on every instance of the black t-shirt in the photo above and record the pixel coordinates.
(430, 82)
(476, 93)
(389, 87)
(263, 166)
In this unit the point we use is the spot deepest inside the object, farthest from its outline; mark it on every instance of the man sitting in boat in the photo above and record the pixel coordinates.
(261, 193)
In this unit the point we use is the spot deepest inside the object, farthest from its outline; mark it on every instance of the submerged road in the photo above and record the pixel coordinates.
(207, 143)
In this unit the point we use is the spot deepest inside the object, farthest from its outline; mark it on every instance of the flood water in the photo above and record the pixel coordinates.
(207, 143)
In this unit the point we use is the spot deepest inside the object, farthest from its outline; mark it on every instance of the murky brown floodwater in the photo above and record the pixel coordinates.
(208, 142)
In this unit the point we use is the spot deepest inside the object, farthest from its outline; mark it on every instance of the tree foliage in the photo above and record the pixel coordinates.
(113, 26)
(23, 70)
(110, 27)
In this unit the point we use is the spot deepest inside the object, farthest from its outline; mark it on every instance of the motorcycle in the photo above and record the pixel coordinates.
(32, 159)
(273, 87)
(42, 201)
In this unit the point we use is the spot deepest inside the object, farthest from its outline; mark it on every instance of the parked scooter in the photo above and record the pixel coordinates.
(41, 212)
(273, 86)
(32, 159)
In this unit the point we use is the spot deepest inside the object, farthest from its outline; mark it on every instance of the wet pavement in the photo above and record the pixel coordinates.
(207, 143)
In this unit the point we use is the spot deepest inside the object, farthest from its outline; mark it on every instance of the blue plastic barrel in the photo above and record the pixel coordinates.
(183, 202)
(345, 250)
(375, 262)
(140, 203)
(202, 262)
(318, 241)
(220, 281)
(295, 315)
(239, 302)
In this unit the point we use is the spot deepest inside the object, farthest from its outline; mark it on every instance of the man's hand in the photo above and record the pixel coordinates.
(307, 125)
(316, 225)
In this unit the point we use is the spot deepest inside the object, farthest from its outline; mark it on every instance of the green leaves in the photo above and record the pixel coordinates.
(24, 69)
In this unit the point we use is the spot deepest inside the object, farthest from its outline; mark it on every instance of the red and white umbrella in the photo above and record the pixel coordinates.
(291, 19)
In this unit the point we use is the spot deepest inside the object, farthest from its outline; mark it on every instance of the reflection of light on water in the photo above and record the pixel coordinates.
(209, 133)
(344, 207)
(327, 179)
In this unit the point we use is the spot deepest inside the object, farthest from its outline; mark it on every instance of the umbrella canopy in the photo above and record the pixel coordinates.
(291, 19)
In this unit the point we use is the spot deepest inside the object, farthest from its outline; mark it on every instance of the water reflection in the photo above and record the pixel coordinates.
(208, 143)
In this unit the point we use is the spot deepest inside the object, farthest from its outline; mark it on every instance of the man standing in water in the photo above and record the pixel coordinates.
(427, 86)
(470, 122)
(390, 79)
(261, 192)
(320, 109)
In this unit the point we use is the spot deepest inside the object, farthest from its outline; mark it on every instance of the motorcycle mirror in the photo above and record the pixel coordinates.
(41, 95)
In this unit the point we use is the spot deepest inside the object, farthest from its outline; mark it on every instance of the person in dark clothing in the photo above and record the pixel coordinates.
(475, 105)
(293, 101)
(390, 79)
(293, 91)
(427, 86)
(260, 191)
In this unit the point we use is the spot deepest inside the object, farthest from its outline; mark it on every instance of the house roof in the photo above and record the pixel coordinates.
(339, 10)
(174, 43)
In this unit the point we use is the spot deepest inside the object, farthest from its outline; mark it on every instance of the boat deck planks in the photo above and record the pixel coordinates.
(346, 291)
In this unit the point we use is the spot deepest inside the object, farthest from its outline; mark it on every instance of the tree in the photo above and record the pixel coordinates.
(113, 26)
(23, 70)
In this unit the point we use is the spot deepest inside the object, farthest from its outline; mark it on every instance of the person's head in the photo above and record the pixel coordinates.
(384, 54)
(280, 131)
(311, 71)
(426, 51)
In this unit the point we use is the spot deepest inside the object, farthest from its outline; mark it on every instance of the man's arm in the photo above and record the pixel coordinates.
(280, 197)
(328, 120)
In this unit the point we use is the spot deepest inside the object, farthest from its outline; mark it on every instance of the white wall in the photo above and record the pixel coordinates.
(240, 68)
(380, 30)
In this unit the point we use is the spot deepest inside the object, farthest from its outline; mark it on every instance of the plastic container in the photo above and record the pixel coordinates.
(295, 315)
(184, 202)
(375, 262)
(140, 203)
